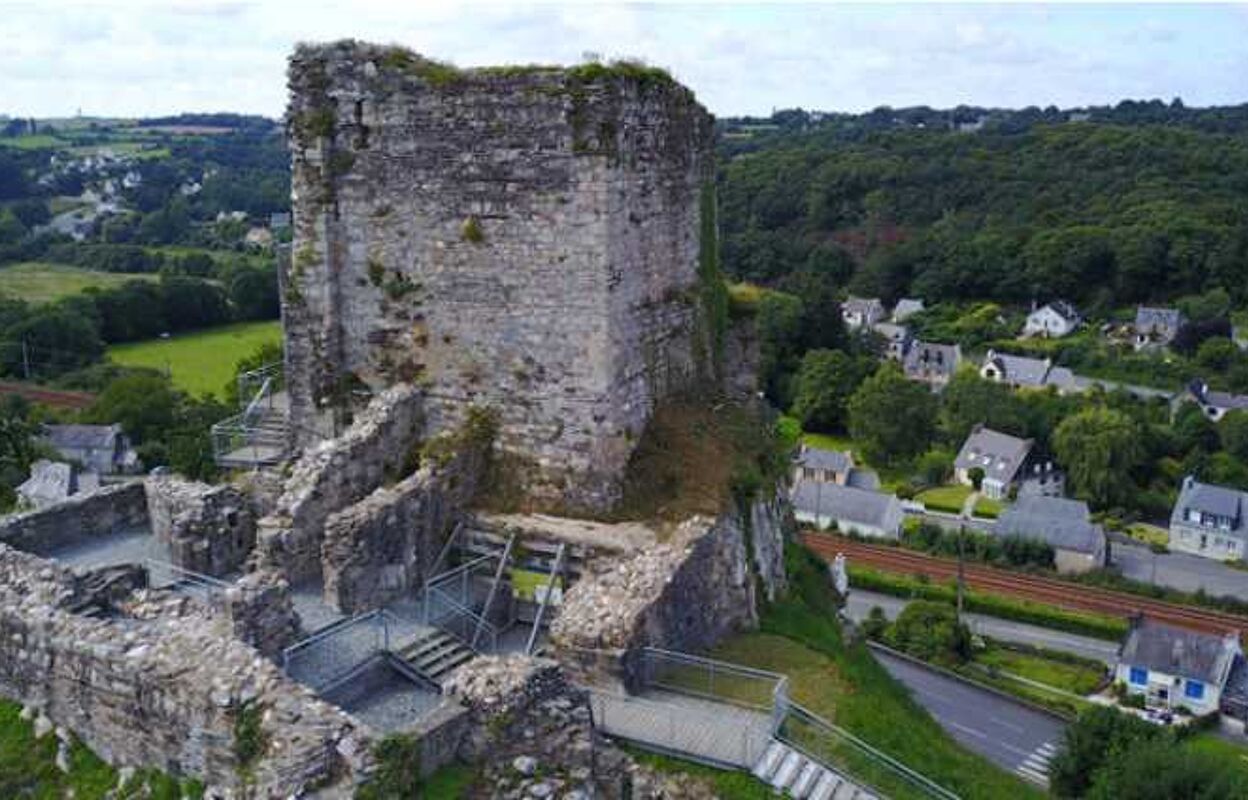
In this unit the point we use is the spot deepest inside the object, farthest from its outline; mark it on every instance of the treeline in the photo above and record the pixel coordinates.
(1103, 214)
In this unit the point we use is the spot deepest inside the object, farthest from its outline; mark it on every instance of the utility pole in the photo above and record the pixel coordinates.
(25, 360)
(961, 574)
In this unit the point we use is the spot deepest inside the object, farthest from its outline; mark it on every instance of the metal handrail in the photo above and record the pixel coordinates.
(550, 589)
(489, 598)
(914, 778)
(446, 548)
(336, 628)
(187, 575)
(461, 611)
(761, 698)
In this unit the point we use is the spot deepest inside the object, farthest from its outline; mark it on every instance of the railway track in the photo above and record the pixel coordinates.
(1063, 594)
(48, 397)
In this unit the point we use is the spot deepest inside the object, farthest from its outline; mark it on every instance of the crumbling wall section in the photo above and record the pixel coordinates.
(380, 445)
(163, 685)
(261, 612)
(107, 511)
(520, 238)
(208, 529)
(685, 594)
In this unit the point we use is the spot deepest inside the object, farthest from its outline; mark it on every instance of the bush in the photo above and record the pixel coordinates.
(932, 632)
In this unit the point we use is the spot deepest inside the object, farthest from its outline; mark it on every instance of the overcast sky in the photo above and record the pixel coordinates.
(147, 58)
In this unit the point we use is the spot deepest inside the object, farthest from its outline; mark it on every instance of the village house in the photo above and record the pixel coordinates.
(1215, 404)
(1079, 545)
(52, 482)
(1007, 465)
(1172, 667)
(932, 363)
(103, 449)
(1156, 327)
(1208, 520)
(849, 509)
(1053, 320)
(861, 313)
(1022, 372)
(896, 339)
(822, 466)
(906, 307)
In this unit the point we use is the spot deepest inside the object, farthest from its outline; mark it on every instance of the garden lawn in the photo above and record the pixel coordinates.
(200, 362)
(890, 479)
(988, 508)
(1078, 676)
(39, 282)
(949, 499)
(1149, 534)
(1232, 753)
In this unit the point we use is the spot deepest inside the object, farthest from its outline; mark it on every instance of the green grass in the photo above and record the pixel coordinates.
(727, 784)
(890, 479)
(949, 499)
(1233, 754)
(842, 681)
(40, 141)
(39, 282)
(28, 768)
(988, 508)
(451, 781)
(201, 362)
(1149, 534)
(826, 441)
(1075, 675)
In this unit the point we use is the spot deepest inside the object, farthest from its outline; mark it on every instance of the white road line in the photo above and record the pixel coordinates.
(971, 731)
(1033, 776)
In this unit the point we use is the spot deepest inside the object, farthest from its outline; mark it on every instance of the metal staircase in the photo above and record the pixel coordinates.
(435, 655)
(260, 434)
(800, 777)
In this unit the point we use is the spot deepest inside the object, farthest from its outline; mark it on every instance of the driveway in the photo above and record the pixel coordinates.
(1179, 571)
(858, 606)
(1011, 735)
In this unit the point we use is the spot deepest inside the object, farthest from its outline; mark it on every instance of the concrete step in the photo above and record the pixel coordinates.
(846, 791)
(789, 768)
(826, 786)
(435, 655)
(806, 780)
(767, 765)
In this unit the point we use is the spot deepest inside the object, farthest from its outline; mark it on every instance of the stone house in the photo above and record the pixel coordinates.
(1172, 667)
(1215, 404)
(1007, 463)
(1023, 372)
(1208, 520)
(906, 307)
(822, 466)
(897, 339)
(1079, 545)
(1156, 327)
(104, 449)
(932, 363)
(1053, 320)
(52, 482)
(851, 510)
(861, 313)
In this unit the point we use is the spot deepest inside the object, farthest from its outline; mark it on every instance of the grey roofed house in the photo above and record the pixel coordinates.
(1158, 647)
(865, 479)
(1065, 524)
(1016, 370)
(906, 307)
(100, 448)
(1210, 520)
(1215, 403)
(1158, 321)
(932, 362)
(818, 458)
(870, 513)
(999, 455)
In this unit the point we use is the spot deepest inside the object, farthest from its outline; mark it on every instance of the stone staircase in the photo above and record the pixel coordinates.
(799, 777)
(434, 655)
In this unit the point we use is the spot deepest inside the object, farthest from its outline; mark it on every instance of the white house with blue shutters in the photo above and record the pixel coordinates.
(1173, 667)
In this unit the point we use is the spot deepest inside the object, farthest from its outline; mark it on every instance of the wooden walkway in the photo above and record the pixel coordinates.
(703, 730)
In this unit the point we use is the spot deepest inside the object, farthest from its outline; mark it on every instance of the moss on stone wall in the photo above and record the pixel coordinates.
(711, 287)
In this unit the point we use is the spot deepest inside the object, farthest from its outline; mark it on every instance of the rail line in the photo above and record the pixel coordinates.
(1063, 594)
(49, 397)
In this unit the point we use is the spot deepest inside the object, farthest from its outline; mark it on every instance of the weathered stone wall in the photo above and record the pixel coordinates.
(336, 473)
(208, 529)
(526, 239)
(261, 613)
(113, 509)
(161, 684)
(685, 594)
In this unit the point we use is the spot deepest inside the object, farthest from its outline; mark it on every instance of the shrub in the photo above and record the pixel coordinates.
(931, 631)
(471, 231)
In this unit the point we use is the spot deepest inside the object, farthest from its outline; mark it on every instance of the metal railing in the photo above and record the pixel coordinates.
(493, 592)
(826, 743)
(555, 571)
(263, 380)
(252, 437)
(755, 689)
(335, 655)
(474, 630)
(164, 575)
(456, 582)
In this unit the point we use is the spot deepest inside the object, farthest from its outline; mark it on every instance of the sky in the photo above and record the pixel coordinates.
(139, 57)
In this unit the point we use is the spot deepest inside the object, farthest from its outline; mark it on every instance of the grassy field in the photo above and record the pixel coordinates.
(1149, 534)
(842, 681)
(987, 507)
(945, 498)
(39, 282)
(1230, 752)
(1079, 676)
(41, 141)
(201, 362)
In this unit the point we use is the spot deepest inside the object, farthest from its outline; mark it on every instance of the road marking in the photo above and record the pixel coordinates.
(1035, 766)
(971, 731)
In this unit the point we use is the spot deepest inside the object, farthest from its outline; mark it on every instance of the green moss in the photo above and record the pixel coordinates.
(400, 286)
(376, 271)
(316, 123)
(435, 73)
(471, 231)
(646, 76)
(340, 163)
(250, 738)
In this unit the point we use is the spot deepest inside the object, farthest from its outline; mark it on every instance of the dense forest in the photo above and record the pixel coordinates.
(1144, 202)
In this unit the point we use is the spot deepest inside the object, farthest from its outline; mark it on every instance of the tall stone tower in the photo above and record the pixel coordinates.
(538, 240)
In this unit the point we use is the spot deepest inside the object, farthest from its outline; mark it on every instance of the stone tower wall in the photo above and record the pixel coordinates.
(522, 238)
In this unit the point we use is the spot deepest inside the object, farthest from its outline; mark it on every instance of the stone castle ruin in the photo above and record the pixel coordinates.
(522, 238)
(497, 276)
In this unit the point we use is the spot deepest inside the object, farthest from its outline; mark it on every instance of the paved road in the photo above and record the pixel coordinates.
(859, 604)
(1180, 571)
(1009, 734)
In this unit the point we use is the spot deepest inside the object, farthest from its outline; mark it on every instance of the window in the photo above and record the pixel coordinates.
(1194, 690)
(1139, 676)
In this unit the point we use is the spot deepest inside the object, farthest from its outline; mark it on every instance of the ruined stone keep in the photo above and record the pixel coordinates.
(529, 239)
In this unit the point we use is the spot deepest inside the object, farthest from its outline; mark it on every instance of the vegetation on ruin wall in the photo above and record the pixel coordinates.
(28, 769)
(398, 773)
(695, 457)
(711, 286)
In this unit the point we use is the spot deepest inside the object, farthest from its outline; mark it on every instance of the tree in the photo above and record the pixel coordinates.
(1216, 353)
(253, 293)
(56, 340)
(969, 400)
(931, 631)
(1160, 769)
(780, 344)
(1233, 433)
(823, 387)
(977, 477)
(1099, 448)
(144, 404)
(192, 303)
(892, 419)
(1090, 742)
